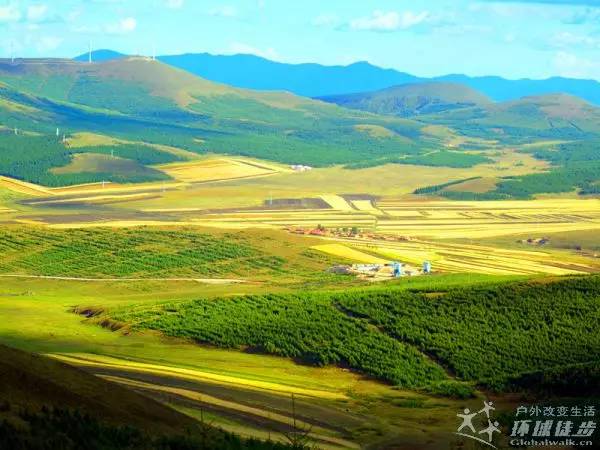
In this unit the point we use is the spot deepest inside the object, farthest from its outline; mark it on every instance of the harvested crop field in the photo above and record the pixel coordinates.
(217, 169)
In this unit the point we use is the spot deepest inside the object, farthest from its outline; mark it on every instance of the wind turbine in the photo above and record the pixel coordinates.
(90, 53)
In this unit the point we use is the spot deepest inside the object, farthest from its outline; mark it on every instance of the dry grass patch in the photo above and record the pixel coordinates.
(349, 253)
(217, 169)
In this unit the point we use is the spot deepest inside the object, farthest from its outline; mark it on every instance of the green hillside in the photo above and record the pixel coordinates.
(146, 101)
(556, 116)
(45, 404)
(413, 99)
(404, 336)
(141, 105)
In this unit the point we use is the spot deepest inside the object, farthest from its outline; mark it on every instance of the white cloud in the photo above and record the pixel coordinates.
(573, 66)
(123, 26)
(389, 21)
(326, 20)
(73, 15)
(48, 43)
(10, 13)
(567, 40)
(224, 11)
(174, 4)
(36, 13)
(246, 49)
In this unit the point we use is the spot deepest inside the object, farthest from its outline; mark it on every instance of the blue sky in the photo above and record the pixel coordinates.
(515, 39)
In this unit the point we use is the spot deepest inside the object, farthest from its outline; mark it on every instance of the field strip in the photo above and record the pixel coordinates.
(464, 258)
(23, 187)
(224, 180)
(338, 203)
(349, 253)
(93, 199)
(88, 360)
(238, 407)
(257, 212)
(466, 232)
(217, 281)
(216, 170)
(367, 207)
(113, 188)
(115, 224)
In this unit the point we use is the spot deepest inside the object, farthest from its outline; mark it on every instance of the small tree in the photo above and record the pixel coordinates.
(299, 438)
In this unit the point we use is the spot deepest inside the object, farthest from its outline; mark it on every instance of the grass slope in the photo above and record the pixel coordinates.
(143, 100)
(481, 334)
(48, 404)
(32, 381)
(159, 253)
(556, 116)
(413, 99)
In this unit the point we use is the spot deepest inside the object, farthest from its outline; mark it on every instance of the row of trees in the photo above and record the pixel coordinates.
(129, 252)
(488, 334)
(308, 328)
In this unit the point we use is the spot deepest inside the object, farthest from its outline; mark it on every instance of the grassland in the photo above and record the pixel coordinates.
(238, 389)
(262, 203)
(48, 404)
(322, 328)
(217, 169)
(37, 316)
(148, 253)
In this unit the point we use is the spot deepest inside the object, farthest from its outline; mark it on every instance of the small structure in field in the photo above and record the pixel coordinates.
(382, 272)
(426, 267)
(300, 168)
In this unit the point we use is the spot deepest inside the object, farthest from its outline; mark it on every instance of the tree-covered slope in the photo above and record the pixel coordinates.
(146, 101)
(483, 334)
(413, 99)
(555, 116)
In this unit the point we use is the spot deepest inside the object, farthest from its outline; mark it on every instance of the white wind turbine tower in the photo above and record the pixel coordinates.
(90, 53)
(12, 52)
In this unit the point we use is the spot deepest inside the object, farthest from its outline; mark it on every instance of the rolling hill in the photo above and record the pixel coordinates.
(139, 110)
(46, 404)
(148, 102)
(553, 116)
(413, 99)
(315, 80)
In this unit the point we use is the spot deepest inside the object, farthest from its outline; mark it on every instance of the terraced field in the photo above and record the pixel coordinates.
(410, 229)
(461, 258)
(218, 169)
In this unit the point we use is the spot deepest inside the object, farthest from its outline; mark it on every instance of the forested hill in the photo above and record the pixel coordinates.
(316, 80)
(410, 100)
(141, 106)
(137, 100)
(406, 336)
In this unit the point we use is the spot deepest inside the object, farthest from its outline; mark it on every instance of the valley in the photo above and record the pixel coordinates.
(197, 244)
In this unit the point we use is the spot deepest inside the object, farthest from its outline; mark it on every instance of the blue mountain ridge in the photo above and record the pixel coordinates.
(316, 80)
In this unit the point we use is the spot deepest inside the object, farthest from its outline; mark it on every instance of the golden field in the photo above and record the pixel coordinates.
(241, 193)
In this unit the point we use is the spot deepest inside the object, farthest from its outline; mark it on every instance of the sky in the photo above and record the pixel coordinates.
(514, 39)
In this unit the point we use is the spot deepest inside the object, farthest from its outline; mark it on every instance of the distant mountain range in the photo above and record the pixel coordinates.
(315, 80)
